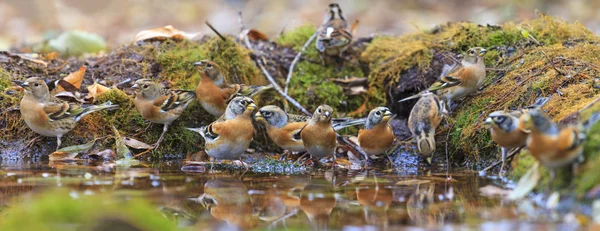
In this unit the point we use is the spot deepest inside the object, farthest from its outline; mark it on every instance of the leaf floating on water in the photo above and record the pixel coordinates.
(412, 182)
(136, 144)
(341, 161)
(122, 151)
(164, 33)
(527, 183)
(491, 190)
(62, 156)
(106, 155)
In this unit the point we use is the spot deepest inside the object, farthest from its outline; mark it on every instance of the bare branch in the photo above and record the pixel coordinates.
(215, 30)
(296, 59)
(278, 89)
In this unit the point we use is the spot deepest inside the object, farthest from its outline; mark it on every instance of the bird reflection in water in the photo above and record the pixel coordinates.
(228, 200)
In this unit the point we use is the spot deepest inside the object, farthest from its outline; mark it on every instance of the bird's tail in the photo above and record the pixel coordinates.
(95, 108)
(185, 96)
(205, 131)
(340, 123)
(254, 90)
(594, 118)
(426, 144)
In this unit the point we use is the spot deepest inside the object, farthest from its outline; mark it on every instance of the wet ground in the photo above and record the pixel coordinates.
(341, 200)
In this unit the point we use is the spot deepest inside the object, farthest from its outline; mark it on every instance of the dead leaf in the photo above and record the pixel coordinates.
(164, 33)
(78, 148)
(136, 144)
(51, 56)
(106, 155)
(31, 57)
(95, 90)
(71, 83)
(360, 109)
(491, 190)
(62, 156)
(341, 161)
(527, 183)
(256, 35)
(412, 182)
(354, 26)
(352, 81)
(122, 151)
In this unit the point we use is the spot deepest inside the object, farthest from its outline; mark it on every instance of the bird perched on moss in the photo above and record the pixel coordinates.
(318, 135)
(160, 105)
(214, 93)
(284, 129)
(465, 79)
(333, 36)
(50, 116)
(507, 130)
(377, 136)
(229, 136)
(552, 145)
(424, 118)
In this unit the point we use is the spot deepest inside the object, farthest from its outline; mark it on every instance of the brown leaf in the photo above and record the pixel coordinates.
(163, 33)
(31, 57)
(95, 90)
(354, 26)
(75, 79)
(256, 35)
(136, 144)
(62, 156)
(106, 155)
(341, 161)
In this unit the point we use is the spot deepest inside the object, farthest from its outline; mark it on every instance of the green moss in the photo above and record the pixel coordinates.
(588, 177)
(464, 136)
(56, 209)
(297, 37)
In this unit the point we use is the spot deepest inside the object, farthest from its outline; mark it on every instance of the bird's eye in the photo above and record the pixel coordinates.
(319, 110)
(36, 84)
(209, 65)
(472, 52)
(267, 113)
(145, 86)
(378, 113)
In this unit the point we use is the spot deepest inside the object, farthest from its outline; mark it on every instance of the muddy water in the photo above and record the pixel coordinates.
(341, 200)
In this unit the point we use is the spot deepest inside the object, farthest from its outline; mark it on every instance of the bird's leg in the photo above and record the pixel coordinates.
(212, 163)
(58, 142)
(551, 182)
(162, 136)
(300, 158)
(284, 154)
(334, 161)
(504, 152)
(148, 127)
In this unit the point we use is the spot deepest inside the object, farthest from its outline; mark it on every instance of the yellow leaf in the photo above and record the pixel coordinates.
(163, 33)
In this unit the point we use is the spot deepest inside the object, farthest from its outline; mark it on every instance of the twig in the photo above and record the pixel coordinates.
(296, 59)
(353, 146)
(552, 63)
(243, 31)
(511, 154)
(278, 89)
(215, 30)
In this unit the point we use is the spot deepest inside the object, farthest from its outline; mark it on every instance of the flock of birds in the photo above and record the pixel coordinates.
(230, 135)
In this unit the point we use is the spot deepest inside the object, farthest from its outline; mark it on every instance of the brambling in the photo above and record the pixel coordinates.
(214, 93)
(159, 105)
(284, 129)
(377, 135)
(424, 118)
(50, 116)
(507, 130)
(551, 145)
(318, 135)
(229, 136)
(465, 79)
(334, 35)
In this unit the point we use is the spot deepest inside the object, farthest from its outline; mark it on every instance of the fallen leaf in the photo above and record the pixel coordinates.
(163, 33)
(62, 156)
(341, 161)
(527, 183)
(77, 43)
(136, 144)
(95, 90)
(354, 26)
(256, 35)
(75, 79)
(122, 151)
(491, 190)
(352, 81)
(31, 57)
(106, 155)
(78, 148)
(412, 182)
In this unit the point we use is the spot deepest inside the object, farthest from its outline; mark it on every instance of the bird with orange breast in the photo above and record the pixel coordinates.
(377, 136)
(318, 136)
(214, 93)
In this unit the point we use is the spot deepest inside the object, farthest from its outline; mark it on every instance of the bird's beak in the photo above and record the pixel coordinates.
(489, 120)
(327, 114)
(388, 115)
(22, 84)
(198, 64)
(251, 107)
(258, 116)
(482, 52)
(135, 86)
